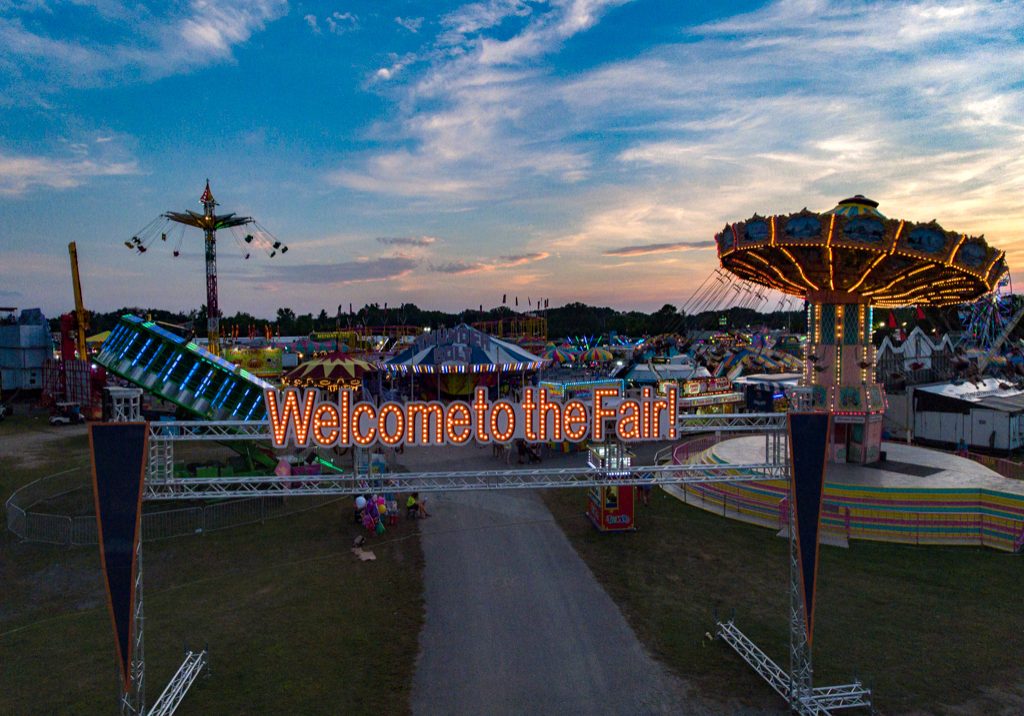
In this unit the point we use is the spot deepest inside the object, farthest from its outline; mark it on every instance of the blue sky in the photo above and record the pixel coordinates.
(447, 153)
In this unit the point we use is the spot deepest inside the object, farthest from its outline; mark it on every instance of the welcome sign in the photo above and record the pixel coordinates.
(303, 419)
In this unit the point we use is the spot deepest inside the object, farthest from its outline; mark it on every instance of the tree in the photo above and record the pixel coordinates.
(285, 321)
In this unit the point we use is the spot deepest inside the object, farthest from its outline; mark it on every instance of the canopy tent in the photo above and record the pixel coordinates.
(596, 355)
(558, 355)
(334, 371)
(462, 349)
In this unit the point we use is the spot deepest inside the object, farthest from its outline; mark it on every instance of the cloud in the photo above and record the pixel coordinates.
(479, 119)
(341, 22)
(19, 173)
(398, 64)
(461, 267)
(412, 24)
(407, 240)
(133, 43)
(357, 271)
(501, 263)
(311, 21)
(662, 248)
(521, 259)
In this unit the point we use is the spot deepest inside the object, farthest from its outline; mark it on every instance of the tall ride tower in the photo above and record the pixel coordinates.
(210, 222)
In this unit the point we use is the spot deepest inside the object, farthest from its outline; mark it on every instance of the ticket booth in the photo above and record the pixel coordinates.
(611, 508)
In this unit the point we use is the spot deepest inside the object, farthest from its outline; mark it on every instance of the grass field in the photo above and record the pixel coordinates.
(929, 629)
(294, 622)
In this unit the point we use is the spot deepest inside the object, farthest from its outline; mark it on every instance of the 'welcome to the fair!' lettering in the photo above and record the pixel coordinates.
(302, 418)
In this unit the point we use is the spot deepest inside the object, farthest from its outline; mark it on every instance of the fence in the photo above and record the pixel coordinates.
(936, 515)
(77, 530)
(1006, 468)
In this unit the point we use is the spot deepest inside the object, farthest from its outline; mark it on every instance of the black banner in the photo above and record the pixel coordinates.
(808, 448)
(118, 468)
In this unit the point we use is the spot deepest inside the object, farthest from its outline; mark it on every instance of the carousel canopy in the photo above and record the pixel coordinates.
(596, 355)
(462, 349)
(854, 254)
(558, 355)
(329, 373)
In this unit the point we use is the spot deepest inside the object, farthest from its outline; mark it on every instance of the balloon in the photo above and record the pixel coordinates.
(360, 502)
(381, 508)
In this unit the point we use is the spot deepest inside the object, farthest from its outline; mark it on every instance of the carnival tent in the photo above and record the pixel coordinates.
(596, 355)
(462, 349)
(558, 355)
(332, 372)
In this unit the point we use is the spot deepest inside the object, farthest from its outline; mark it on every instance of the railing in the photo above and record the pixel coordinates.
(1006, 468)
(77, 530)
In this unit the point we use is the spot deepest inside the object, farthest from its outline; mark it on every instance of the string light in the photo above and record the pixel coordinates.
(601, 412)
(457, 422)
(574, 421)
(628, 424)
(504, 407)
(385, 433)
(424, 411)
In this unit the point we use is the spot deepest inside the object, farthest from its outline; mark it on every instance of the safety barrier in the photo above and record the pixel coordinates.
(1006, 468)
(921, 516)
(75, 530)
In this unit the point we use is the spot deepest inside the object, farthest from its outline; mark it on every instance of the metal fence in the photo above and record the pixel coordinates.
(72, 530)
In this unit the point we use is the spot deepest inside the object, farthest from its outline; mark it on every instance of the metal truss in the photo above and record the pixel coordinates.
(191, 430)
(751, 653)
(820, 700)
(797, 685)
(133, 701)
(177, 488)
(195, 663)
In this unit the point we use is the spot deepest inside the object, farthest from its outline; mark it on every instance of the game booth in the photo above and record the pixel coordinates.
(611, 508)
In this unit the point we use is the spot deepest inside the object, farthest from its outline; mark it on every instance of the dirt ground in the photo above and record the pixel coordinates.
(31, 439)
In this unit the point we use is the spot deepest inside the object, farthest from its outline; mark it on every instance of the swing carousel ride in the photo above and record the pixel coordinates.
(170, 227)
(843, 263)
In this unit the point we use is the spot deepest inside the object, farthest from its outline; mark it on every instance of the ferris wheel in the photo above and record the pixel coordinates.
(986, 319)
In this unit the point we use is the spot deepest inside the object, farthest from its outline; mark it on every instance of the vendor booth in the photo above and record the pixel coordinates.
(707, 396)
(611, 508)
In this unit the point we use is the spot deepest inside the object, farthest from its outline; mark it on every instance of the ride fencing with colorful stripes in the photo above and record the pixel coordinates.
(968, 516)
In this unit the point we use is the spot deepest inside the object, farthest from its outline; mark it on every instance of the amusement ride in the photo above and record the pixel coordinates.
(841, 262)
(171, 226)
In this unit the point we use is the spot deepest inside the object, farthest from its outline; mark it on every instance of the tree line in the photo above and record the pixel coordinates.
(571, 319)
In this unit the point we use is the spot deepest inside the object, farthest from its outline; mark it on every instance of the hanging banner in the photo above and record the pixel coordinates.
(118, 452)
(808, 441)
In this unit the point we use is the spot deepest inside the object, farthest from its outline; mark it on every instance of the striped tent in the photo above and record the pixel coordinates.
(329, 373)
(596, 355)
(462, 349)
(559, 356)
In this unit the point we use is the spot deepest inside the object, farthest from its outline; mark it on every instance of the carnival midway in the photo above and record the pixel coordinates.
(851, 431)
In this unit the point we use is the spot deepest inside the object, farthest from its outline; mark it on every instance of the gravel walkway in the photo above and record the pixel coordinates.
(515, 621)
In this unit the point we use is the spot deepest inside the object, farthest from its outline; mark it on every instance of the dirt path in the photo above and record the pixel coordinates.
(515, 621)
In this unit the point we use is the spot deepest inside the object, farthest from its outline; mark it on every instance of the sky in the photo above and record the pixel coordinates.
(447, 154)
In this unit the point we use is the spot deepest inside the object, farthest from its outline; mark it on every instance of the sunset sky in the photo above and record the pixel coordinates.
(446, 154)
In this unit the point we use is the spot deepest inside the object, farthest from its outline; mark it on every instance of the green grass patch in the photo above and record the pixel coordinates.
(294, 622)
(926, 628)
